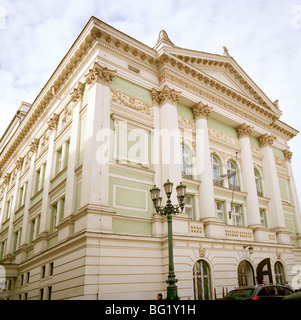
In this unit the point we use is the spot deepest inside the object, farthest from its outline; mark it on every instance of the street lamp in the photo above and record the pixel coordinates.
(168, 210)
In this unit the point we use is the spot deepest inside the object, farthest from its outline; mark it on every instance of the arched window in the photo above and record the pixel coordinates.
(202, 281)
(258, 183)
(216, 170)
(186, 163)
(245, 274)
(233, 176)
(279, 273)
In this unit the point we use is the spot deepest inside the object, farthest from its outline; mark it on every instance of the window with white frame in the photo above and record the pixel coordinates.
(258, 183)
(40, 176)
(237, 215)
(22, 195)
(62, 157)
(57, 213)
(263, 217)
(189, 204)
(17, 240)
(34, 228)
(186, 162)
(216, 170)
(219, 210)
(232, 172)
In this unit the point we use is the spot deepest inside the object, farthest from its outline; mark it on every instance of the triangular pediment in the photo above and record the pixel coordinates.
(224, 70)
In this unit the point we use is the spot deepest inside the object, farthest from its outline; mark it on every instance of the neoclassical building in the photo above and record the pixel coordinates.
(116, 118)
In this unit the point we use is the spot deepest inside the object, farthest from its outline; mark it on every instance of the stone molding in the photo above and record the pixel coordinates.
(201, 111)
(244, 130)
(166, 95)
(99, 74)
(33, 146)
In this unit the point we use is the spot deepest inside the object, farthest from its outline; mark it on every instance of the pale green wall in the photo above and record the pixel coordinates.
(222, 127)
(254, 142)
(184, 111)
(131, 226)
(131, 89)
(278, 153)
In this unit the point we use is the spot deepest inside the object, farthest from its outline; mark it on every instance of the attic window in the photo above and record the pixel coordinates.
(131, 68)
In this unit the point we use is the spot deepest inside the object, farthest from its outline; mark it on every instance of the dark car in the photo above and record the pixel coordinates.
(293, 296)
(259, 292)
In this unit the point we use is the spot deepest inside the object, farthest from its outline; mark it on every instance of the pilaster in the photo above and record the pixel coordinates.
(95, 168)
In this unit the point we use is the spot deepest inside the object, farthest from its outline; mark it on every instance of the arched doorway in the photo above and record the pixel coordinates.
(202, 281)
(245, 274)
(279, 273)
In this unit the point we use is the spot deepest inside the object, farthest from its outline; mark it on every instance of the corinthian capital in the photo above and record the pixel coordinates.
(266, 140)
(99, 74)
(244, 130)
(33, 146)
(165, 95)
(288, 155)
(77, 93)
(201, 111)
(52, 122)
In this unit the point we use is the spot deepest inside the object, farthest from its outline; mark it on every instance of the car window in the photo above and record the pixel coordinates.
(262, 292)
(272, 291)
(239, 294)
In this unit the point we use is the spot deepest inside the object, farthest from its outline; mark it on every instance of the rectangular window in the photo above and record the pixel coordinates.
(263, 217)
(237, 215)
(17, 240)
(219, 210)
(188, 209)
(28, 277)
(7, 209)
(57, 213)
(34, 228)
(49, 293)
(2, 249)
(22, 195)
(40, 176)
(51, 269)
(62, 157)
(41, 293)
(53, 217)
(43, 272)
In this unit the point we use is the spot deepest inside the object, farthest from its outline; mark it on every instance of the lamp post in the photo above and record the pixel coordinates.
(169, 210)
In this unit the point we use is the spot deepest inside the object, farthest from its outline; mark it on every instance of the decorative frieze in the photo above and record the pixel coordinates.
(185, 122)
(131, 102)
(77, 93)
(166, 95)
(99, 74)
(266, 140)
(244, 130)
(201, 111)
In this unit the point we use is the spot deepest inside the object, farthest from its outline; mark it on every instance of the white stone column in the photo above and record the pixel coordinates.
(272, 189)
(169, 138)
(247, 171)
(95, 172)
(212, 226)
(288, 156)
(204, 169)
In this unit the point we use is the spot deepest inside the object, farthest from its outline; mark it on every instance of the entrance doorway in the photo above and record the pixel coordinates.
(245, 274)
(264, 271)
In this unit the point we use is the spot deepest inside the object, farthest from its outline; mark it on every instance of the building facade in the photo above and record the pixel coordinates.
(115, 118)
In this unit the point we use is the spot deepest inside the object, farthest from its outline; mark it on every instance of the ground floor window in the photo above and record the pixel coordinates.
(202, 281)
(279, 273)
(245, 274)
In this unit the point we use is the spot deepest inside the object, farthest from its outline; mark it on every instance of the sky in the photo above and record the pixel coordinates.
(263, 36)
